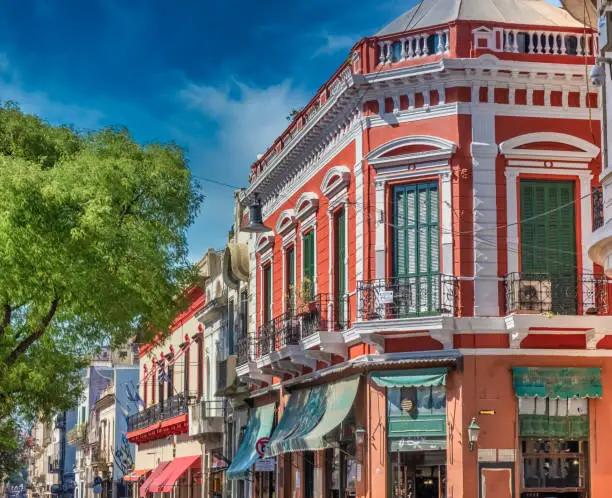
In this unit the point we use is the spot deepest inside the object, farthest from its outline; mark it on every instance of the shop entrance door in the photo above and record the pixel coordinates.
(418, 474)
(308, 474)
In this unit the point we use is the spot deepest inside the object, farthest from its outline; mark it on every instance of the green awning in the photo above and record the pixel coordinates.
(259, 425)
(576, 426)
(423, 444)
(326, 406)
(557, 382)
(425, 377)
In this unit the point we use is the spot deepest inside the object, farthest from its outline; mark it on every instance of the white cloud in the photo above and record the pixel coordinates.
(238, 122)
(40, 103)
(335, 43)
(247, 119)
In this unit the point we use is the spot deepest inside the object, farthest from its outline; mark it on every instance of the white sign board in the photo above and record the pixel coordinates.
(265, 465)
(386, 297)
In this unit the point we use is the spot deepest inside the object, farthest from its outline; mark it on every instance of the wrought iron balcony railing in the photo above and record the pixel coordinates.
(403, 297)
(321, 314)
(172, 407)
(585, 294)
(598, 207)
(245, 349)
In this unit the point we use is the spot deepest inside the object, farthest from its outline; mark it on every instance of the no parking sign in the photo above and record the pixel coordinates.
(260, 445)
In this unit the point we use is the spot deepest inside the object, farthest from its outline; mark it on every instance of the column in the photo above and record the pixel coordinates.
(403, 52)
(586, 219)
(425, 47)
(380, 246)
(484, 153)
(512, 219)
(360, 207)
(446, 198)
(410, 49)
(440, 47)
(515, 41)
(381, 56)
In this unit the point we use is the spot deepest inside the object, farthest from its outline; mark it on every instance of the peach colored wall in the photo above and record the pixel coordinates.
(486, 384)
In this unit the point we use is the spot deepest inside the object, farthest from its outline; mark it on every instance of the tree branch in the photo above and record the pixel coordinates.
(23, 346)
(6, 319)
(127, 209)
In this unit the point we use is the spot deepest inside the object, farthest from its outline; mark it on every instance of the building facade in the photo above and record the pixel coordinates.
(428, 322)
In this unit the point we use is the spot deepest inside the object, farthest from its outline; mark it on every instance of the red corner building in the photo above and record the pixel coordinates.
(428, 323)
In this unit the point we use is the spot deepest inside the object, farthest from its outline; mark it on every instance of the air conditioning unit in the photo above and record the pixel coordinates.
(532, 296)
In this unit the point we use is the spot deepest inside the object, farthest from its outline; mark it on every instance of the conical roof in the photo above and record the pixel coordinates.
(434, 12)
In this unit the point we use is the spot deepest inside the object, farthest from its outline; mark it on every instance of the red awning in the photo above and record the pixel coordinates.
(164, 482)
(144, 489)
(136, 475)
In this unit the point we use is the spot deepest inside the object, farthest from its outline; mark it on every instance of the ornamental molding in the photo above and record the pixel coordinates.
(337, 178)
(286, 221)
(306, 205)
(442, 150)
(264, 242)
(511, 148)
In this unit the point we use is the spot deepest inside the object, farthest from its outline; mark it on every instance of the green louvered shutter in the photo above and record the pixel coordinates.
(291, 277)
(417, 248)
(309, 257)
(548, 239)
(267, 283)
(340, 266)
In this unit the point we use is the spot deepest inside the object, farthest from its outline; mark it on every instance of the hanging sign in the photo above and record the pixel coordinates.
(265, 465)
(260, 445)
(386, 297)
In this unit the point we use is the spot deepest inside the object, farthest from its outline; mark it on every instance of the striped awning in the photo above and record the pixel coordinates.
(313, 413)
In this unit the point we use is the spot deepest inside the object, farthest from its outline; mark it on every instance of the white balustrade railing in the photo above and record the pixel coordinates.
(549, 42)
(413, 47)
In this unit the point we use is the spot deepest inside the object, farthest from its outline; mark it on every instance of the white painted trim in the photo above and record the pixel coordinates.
(587, 353)
(444, 150)
(513, 175)
(306, 205)
(264, 242)
(511, 147)
(337, 178)
(286, 221)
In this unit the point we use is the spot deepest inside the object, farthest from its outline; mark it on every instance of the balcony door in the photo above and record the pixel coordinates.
(548, 247)
(416, 250)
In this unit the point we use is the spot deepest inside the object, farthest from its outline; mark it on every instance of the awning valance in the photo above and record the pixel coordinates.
(136, 475)
(424, 377)
(557, 382)
(313, 414)
(144, 489)
(259, 426)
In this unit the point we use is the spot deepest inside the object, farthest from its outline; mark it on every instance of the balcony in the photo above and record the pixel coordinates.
(77, 435)
(557, 295)
(405, 297)
(213, 309)
(226, 375)
(170, 408)
(206, 419)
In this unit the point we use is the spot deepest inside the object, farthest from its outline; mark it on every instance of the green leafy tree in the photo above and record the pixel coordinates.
(92, 251)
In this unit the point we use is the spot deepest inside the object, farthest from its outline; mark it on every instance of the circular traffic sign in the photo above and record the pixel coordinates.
(260, 445)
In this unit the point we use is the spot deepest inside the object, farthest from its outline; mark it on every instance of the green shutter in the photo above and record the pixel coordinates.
(309, 259)
(548, 238)
(291, 277)
(416, 244)
(267, 284)
(340, 266)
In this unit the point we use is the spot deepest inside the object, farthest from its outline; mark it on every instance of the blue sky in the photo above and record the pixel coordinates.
(218, 77)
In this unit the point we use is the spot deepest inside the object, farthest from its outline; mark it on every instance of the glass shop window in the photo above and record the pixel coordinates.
(554, 447)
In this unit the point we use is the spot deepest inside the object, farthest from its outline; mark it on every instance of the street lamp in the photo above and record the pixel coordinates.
(360, 434)
(256, 224)
(473, 432)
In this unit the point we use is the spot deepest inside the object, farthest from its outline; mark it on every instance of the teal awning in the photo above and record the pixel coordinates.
(557, 382)
(423, 444)
(319, 411)
(259, 425)
(425, 377)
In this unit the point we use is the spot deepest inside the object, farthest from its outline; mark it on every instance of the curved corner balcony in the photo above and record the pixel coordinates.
(600, 250)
